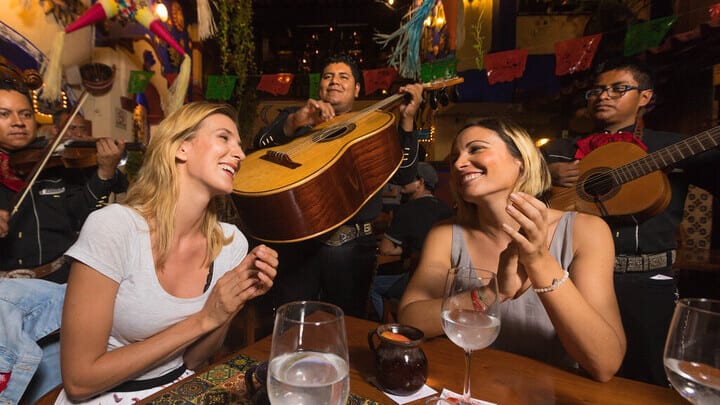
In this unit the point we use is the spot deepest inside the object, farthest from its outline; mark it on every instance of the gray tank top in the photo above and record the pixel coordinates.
(525, 326)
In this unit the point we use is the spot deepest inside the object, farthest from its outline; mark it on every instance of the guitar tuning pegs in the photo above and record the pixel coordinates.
(443, 97)
(432, 97)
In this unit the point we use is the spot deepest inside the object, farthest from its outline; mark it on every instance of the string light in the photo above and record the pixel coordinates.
(542, 141)
(42, 117)
(161, 11)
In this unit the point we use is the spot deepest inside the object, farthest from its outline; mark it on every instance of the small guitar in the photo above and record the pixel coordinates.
(620, 178)
(316, 182)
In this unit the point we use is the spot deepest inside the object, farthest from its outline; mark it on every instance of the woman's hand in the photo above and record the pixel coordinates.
(511, 275)
(531, 238)
(251, 278)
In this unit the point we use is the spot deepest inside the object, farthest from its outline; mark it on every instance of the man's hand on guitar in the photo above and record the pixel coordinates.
(314, 112)
(409, 108)
(564, 174)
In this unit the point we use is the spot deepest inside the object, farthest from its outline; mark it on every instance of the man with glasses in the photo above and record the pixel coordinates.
(644, 248)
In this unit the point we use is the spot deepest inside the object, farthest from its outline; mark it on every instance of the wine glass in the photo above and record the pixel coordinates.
(692, 350)
(470, 315)
(309, 355)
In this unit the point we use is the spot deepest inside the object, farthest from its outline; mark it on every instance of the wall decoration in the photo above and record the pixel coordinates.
(120, 118)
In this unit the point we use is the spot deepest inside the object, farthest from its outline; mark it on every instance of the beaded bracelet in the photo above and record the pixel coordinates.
(555, 284)
(477, 300)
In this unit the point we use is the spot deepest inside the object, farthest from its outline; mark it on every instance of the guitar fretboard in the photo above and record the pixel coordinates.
(667, 156)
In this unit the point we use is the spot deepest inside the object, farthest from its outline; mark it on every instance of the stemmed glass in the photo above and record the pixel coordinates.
(692, 350)
(309, 355)
(470, 315)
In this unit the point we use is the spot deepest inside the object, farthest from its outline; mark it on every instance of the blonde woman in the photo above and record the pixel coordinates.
(156, 281)
(554, 268)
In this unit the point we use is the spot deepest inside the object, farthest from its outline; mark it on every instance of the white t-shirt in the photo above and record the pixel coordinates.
(115, 241)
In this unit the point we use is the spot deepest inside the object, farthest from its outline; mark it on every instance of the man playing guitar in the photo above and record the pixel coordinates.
(337, 266)
(644, 247)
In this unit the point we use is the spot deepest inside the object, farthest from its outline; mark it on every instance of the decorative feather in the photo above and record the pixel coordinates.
(406, 54)
(52, 73)
(206, 24)
(178, 90)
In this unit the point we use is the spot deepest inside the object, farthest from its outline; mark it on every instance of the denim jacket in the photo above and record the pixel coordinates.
(30, 309)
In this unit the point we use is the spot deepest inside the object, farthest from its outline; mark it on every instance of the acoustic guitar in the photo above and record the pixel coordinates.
(316, 182)
(620, 178)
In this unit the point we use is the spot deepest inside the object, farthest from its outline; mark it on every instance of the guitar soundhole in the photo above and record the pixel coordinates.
(334, 132)
(597, 185)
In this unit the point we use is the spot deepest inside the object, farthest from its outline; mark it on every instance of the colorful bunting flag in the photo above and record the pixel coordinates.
(643, 36)
(314, 80)
(220, 87)
(505, 66)
(276, 84)
(575, 55)
(441, 69)
(378, 79)
(139, 80)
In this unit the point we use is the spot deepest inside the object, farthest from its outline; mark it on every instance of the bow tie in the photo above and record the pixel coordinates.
(594, 141)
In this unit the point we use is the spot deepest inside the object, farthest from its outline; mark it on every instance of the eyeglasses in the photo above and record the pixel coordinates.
(614, 91)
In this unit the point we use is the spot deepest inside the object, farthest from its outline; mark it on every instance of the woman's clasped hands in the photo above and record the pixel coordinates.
(251, 278)
(529, 245)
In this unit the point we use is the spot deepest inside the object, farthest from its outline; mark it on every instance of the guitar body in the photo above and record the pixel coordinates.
(316, 186)
(596, 193)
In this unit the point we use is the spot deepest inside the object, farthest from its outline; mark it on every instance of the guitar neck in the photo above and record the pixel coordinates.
(397, 98)
(668, 156)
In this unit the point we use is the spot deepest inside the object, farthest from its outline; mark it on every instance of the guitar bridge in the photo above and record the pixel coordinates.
(280, 158)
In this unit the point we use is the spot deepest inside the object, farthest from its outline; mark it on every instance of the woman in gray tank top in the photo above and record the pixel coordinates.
(554, 268)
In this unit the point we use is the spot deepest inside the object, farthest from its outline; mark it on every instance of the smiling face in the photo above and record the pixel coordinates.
(338, 87)
(212, 157)
(17, 121)
(615, 114)
(482, 165)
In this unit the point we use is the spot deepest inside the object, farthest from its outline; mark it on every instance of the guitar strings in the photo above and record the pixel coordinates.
(706, 140)
(327, 132)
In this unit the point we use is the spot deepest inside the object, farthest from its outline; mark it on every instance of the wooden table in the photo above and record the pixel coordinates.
(497, 376)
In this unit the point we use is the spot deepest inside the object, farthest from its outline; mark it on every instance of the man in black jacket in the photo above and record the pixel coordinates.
(48, 220)
(337, 267)
(644, 247)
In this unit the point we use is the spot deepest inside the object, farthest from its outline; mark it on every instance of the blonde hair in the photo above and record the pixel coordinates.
(155, 191)
(534, 176)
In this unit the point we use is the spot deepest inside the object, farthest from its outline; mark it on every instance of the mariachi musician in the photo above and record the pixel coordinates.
(46, 223)
(338, 266)
(644, 247)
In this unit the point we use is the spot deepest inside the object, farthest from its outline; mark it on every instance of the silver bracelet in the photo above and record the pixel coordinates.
(555, 284)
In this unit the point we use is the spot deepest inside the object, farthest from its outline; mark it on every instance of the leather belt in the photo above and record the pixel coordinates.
(639, 263)
(37, 272)
(345, 233)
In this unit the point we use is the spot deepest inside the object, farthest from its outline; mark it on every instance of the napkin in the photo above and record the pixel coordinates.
(423, 392)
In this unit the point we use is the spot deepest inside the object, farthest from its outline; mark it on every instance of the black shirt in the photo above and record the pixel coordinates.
(51, 216)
